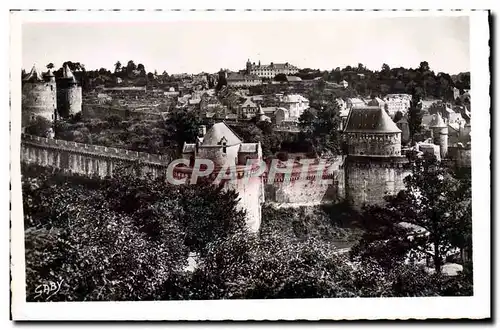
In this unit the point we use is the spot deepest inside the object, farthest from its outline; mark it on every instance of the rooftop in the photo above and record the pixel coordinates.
(188, 148)
(370, 120)
(34, 75)
(437, 121)
(248, 103)
(219, 131)
(242, 77)
(293, 78)
(276, 66)
(67, 74)
(293, 98)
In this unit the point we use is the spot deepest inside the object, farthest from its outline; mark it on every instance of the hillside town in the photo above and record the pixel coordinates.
(317, 161)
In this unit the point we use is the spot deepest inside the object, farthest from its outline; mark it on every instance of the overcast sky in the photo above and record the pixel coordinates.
(208, 46)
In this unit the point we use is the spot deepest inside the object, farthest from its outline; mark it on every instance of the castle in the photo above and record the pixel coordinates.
(371, 168)
(374, 166)
(44, 96)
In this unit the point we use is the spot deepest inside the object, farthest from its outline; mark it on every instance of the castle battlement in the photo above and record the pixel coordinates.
(391, 137)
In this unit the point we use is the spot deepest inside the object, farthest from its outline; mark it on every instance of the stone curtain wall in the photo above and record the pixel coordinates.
(103, 111)
(311, 191)
(85, 159)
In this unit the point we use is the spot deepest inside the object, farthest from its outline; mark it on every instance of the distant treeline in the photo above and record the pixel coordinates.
(422, 80)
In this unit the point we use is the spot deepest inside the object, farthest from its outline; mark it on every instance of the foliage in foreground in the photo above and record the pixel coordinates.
(430, 220)
(126, 238)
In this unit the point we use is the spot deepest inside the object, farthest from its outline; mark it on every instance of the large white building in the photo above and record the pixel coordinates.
(397, 102)
(295, 104)
(270, 70)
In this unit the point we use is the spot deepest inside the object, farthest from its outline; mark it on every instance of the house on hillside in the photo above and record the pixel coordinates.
(248, 109)
(243, 80)
(295, 104)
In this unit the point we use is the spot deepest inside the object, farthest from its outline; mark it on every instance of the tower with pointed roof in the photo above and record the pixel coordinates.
(69, 94)
(224, 148)
(261, 116)
(38, 98)
(440, 134)
(374, 166)
(248, 67)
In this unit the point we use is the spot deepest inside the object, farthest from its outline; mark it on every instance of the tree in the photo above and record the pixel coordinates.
(74, 66)
(118, 66)
(306, 122)
(141, 68)
(424, 66)
(280, 77)
(181, 126)
(221, 81)
(131, 67)
(398, 116)
(50, 66)
(430, 218)
(415, 115)
(39, 126)
(121, 238)
(94, 251)
(321, 128)
(385, 68)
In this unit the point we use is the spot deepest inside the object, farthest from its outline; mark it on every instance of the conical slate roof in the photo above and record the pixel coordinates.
(261, 112)
(370, 120)
(217, 133)
(67, 74)
(437, 121)
(34, 75)
(49, 73)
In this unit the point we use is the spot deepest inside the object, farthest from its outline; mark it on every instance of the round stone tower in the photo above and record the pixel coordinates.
(69, 94)
(374, 166)
(440, 134)
(38, 97)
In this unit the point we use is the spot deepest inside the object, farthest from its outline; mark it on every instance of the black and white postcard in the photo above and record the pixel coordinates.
(250, 165)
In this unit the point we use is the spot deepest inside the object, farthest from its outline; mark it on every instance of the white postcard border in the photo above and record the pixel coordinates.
(477, 306)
